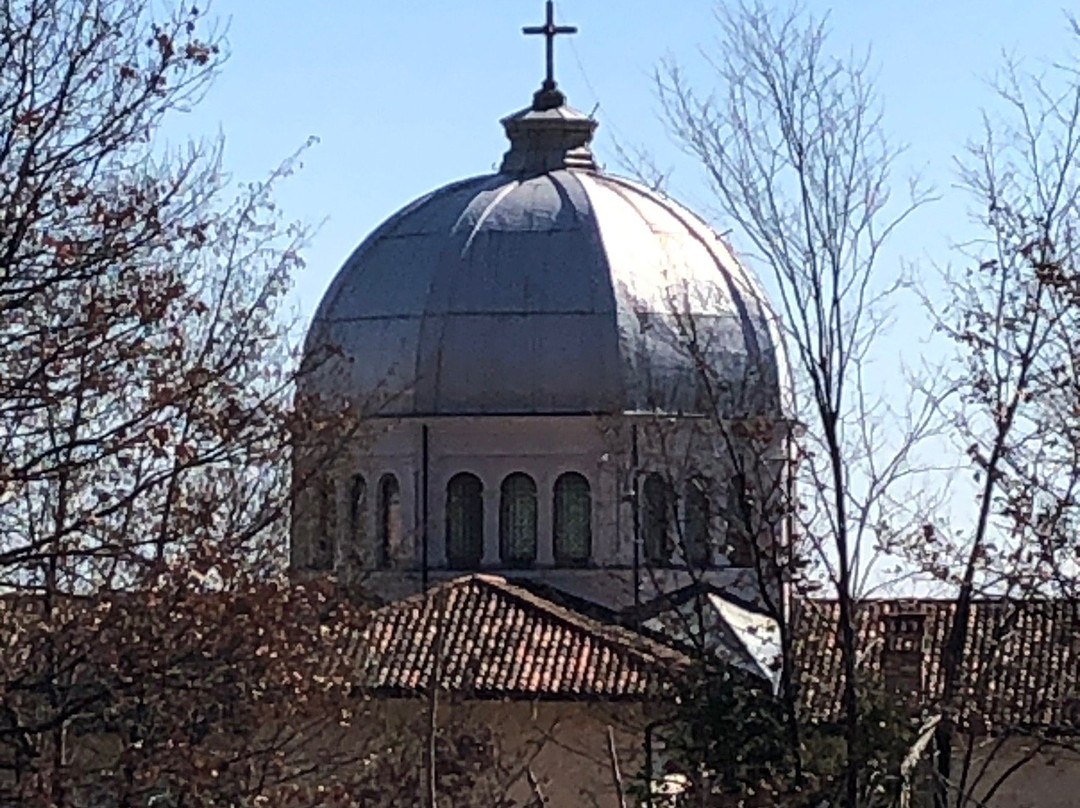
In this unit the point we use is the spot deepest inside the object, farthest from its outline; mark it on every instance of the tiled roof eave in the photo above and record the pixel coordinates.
(652, 696)
(500, 641)
(1021, 664)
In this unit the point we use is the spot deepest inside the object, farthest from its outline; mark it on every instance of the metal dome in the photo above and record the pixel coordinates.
(550, 288)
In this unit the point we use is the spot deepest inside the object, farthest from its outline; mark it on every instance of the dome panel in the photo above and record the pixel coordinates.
(437, 213)
(535, 363)
(658, 264)
(518, 273)
(390, 278)
(378, 373)
(537, 205)
(569, 291)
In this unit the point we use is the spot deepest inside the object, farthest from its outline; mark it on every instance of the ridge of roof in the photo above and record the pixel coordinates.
(560, 597)
(621, 635)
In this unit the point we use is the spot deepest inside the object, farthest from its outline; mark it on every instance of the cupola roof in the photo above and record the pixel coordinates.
(549, 287)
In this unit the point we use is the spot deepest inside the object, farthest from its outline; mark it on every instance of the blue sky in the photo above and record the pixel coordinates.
(406, 96)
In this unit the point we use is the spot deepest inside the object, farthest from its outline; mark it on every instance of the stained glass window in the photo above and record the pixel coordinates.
(322, 556)
(391, 528)
(358, 515)
(573, 520)
(696, 524)
(656, 520)
(517, 520)
(740, 549)
(464, 521)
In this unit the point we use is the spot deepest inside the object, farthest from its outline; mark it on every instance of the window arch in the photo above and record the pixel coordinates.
(697, 523)
(657, 510)
(464, 521)
(358, 516)
(740, 549)
(517, 520)
(573, 520)
(391, 527)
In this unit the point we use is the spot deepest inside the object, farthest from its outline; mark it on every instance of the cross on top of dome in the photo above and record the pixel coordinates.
(549, 97)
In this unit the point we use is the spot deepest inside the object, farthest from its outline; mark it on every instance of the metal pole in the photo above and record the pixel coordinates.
(637, 515)
(424, 474)
(550, 44)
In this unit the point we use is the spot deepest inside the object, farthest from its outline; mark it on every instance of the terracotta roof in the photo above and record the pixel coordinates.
(487, 638)
(1021, 659)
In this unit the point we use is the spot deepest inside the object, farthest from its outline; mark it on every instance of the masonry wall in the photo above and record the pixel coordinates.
(562, 747)
(562, 750)
(559, 749)
(544, 447)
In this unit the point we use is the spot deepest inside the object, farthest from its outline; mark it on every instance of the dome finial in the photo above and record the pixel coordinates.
(548, 96)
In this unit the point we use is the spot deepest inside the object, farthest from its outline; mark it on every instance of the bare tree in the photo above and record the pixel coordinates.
(793, 144)
(144, 362)
(146, 376)
(1014, 316)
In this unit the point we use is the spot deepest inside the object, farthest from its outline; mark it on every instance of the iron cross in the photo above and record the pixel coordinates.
(550, 30)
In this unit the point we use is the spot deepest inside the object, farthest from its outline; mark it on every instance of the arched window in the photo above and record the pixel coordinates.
(740, 548)
(358, 516)
(658, 508)
(517, 520)
(697, 524)
(391, 528)
(573, 520)
(464, 521)
(322, 552)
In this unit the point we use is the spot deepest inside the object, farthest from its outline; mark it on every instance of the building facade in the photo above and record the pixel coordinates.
(551, 421)
(546, 372)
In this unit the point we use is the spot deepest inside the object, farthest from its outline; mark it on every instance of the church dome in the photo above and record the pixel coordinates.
(549, 287)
